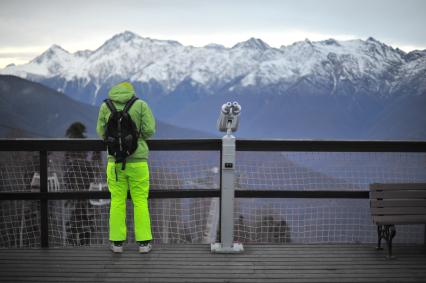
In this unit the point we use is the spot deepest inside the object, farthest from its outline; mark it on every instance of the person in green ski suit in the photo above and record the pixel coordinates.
(135, 175)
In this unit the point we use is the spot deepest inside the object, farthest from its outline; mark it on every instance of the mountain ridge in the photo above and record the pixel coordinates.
(128, 56)
(325, 89)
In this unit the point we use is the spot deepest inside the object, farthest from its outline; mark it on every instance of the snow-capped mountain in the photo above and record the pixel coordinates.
(328, 66)
(363, 75)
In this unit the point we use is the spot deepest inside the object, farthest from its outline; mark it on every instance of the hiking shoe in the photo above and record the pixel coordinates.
(117, 247)
(145, 248)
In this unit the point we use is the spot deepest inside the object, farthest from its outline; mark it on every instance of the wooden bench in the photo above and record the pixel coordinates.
(396, 204)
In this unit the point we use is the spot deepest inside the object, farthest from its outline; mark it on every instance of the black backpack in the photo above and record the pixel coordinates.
(121, 133)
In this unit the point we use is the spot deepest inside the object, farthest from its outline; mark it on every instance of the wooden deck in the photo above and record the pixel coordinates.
(195, 263)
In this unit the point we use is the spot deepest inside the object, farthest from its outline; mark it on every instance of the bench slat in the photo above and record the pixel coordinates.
(398, 203)
(403, 203)
(398, 211)
(400, 219)
(400, 186)
(403, 194)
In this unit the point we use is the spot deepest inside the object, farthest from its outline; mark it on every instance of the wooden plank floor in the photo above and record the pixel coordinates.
(195, 263)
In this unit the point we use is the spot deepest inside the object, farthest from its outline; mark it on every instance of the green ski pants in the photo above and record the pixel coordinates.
(136, 177)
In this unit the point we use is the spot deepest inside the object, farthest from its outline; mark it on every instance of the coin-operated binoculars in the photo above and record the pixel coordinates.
(228, 121)
(229, 117)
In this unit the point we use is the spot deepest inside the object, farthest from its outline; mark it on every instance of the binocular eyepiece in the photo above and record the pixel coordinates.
(229, 117)
(233, 107)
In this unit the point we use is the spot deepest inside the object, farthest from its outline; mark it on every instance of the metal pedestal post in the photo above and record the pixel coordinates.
(227, 199)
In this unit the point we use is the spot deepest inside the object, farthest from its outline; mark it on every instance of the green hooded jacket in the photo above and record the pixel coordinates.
(139, 112)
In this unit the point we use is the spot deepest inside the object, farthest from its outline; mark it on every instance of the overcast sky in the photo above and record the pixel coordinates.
(28, 27)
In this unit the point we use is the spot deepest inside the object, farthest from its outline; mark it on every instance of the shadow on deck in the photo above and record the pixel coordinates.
(195, 263)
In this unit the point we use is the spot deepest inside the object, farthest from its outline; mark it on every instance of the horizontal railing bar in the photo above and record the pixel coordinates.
(215, 144)
(330, 146)
(195, 193)
(178, 144)
(300, 194)
(98, 145)
(52, 145)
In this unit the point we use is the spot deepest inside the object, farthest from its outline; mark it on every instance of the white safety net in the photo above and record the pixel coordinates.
(19, 223)
(85, 222)
(319, 220)
(173, 221)
(196, 220)
(17, 170)
(308, 221)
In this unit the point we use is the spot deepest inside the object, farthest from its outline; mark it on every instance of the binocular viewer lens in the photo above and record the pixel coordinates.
(233, 107)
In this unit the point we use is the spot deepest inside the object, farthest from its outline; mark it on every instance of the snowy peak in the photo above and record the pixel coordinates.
(54, 52)
(365, 52)
(300, 45)
(125, 36)
(214, 46)
(129, 39)
(119, 40)
(302, 51)
(416, 54)
(330, 42)
(252, 43)
(372, 39)
(56, 48)
(381, 48)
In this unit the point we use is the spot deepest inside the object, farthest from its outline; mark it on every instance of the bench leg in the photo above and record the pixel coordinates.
(390, 233)
(379, 237)
(386, 232)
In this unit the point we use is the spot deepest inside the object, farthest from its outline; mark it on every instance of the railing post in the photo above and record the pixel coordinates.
(424, 240)
(220, 197)
(44, 218)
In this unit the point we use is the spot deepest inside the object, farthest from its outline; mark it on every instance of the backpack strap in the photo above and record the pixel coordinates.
(129, 104)
(127, 108)
(110, 105)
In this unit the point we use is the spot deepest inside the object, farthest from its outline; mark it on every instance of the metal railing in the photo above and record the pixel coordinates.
(43, 146)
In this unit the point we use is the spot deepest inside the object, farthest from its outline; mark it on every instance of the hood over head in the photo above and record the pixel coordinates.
(121, 92)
